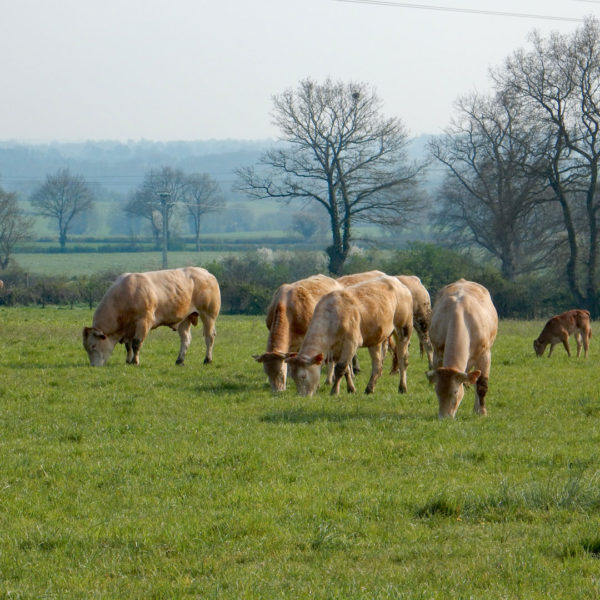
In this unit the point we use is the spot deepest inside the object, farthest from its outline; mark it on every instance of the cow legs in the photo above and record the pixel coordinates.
(586, 342)
(185, 335)
(565, 343)
(392, 342)
(350, 387)
(340, 370)
(402, 342)
(129, 351)
(141, 331)
(330, 367)
(481, 385)
(376, 367)
(136, 344)
(209, 331)
(579, 342)
(425, 345)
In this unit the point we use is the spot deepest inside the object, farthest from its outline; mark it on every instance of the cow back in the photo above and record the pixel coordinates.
(464, 323)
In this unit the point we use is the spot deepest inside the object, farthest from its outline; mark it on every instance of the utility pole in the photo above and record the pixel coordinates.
(164, 200)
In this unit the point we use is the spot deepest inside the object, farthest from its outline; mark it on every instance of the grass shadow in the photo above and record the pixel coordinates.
(229, 388)
(301, 416)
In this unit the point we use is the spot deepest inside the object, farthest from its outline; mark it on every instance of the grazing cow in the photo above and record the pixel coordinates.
(361, 315)
(560, 327)
(464, 324)
(421, 316)
(354, 278)
(138, 302)
(288, 318)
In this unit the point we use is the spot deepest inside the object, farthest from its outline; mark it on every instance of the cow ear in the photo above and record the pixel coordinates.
(99, 334)
(474, 376)
(317, 360)
(468, 378)
(430, 376)
(290, 356)
(258, 357)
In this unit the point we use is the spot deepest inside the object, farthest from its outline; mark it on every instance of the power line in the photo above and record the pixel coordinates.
(474, 11)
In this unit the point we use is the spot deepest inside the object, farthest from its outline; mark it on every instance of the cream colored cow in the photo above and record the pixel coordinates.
(464, 324)
(353, 279)
(361, 315)
(138, 302)
(421, 313)
(288, 318)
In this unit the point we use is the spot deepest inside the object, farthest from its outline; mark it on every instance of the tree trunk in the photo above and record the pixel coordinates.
(337, 259)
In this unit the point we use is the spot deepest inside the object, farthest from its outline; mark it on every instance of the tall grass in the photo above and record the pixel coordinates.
(169, 482)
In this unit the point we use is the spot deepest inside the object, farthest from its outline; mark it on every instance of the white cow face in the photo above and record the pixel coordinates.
(275, 368)
(306, 372)
(449, 387)
(97, 345)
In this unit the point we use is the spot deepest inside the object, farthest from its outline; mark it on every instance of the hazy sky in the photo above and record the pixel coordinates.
(194, 69)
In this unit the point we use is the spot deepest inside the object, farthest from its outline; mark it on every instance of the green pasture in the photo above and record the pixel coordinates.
(90, 263)
(161, 481)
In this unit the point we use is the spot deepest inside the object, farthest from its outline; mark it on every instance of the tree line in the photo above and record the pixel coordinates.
(248, 281)
(520, 188)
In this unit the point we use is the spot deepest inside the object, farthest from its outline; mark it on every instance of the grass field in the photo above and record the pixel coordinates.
(171, 482)
(91, 263)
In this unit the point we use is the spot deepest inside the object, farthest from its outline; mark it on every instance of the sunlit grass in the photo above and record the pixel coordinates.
(164, 481)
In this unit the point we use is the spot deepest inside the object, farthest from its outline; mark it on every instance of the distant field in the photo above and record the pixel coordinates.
(93, 262)
(165, 481)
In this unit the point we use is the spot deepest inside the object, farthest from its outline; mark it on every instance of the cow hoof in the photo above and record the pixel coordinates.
(368, 390)
(207, 361)
(402, 390)
(179, 361)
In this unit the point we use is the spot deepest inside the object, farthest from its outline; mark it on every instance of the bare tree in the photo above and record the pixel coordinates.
(160, 192)
(493, 194)
(337, 150)
(201, 195)
(14, 227)
(62, 197)
(559, 80)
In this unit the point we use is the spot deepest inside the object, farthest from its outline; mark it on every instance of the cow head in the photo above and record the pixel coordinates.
(274, 366)
(305, 371)
(539, 347)
(98, 346)
(449, 387)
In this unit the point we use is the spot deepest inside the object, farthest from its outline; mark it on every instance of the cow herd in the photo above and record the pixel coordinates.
(320, 321)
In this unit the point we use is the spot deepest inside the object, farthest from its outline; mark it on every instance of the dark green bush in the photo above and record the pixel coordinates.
(249, 281)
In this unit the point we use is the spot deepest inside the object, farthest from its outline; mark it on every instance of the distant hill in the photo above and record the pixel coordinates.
(115, 169)
(120, 166)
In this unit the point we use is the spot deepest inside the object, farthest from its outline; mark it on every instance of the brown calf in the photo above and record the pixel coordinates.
(560, 327)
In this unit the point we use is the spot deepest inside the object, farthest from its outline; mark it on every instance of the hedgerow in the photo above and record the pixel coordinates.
(248, 281)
